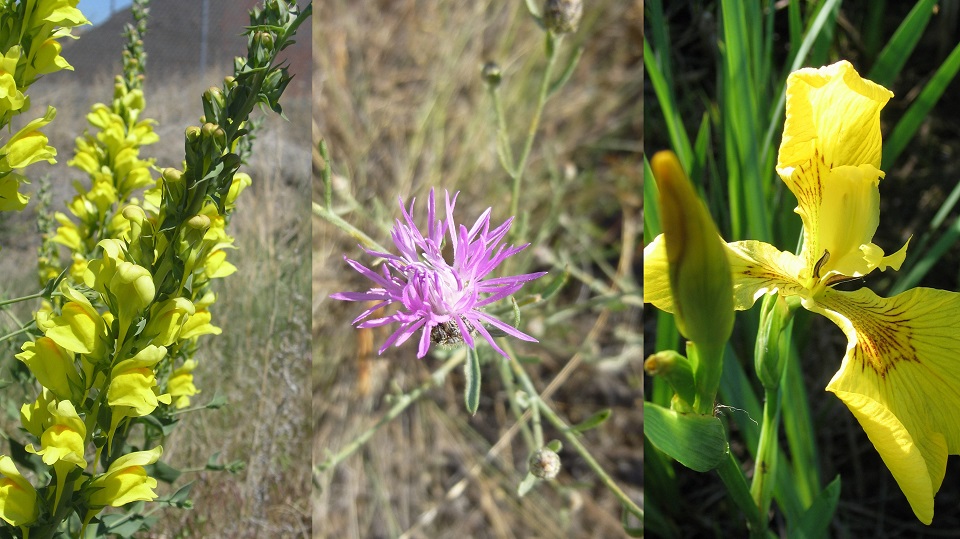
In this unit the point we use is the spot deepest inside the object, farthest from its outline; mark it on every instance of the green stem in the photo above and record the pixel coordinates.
(736, 483)
(553, 43)
(761, 488)
(403, 402)
(541, 406)
(505, 154)
(18, 300)
(508, 383)
(335, 220)
(15, 333)
(326, 175)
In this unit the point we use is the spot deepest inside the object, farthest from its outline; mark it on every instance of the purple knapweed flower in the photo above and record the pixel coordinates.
(441, 300)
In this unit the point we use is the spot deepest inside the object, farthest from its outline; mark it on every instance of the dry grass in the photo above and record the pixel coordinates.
(261, 361)
(399, 100)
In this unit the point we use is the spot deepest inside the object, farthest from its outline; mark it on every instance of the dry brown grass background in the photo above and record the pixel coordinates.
(398, 98)
(261, 361)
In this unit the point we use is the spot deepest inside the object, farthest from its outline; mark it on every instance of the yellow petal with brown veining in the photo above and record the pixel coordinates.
(899, 378)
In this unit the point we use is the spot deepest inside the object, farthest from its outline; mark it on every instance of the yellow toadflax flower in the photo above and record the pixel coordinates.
(900, 376)
(18, 498)
(125, 480)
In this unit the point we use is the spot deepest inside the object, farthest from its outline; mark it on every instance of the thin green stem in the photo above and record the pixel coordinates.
(335, 220)
(508, 383)
(503, 140)
(15, 333)
(539, 405)
(403, 402)
(326, 175)
(553, 44)
(18, 300)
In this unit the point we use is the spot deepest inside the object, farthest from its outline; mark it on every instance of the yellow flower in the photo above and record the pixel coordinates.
(133, 387)
(900, 376)
(180, 386)
(62, 443)
(18, 498)
(125, 480)
(53, 366)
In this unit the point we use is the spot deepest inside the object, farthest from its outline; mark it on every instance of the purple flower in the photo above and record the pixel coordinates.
(443, 301)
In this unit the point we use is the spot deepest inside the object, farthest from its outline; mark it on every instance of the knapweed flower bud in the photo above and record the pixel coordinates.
(562, 16)
(700, 279)
(544, 463)
(492, 74)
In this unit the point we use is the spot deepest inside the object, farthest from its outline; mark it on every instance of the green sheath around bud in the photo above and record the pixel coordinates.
(700, 278)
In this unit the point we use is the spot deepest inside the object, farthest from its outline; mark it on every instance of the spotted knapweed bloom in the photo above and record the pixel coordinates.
(443, 301)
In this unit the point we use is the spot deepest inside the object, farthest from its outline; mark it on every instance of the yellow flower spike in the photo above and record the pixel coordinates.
(699, 274)
(180, 386)
(62, 443)
(53, 366)
(18, 498)
(166, 320)
(125, 481)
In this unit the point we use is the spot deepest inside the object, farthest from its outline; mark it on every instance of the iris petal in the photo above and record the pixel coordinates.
(899, 378)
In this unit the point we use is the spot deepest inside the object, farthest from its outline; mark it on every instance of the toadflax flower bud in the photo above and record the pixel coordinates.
(544, 463)
(562, 16)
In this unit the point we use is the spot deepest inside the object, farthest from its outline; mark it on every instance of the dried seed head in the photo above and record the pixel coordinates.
(562, 16)
(545, 464)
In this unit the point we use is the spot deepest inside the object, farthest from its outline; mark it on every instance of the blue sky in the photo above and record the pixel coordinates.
(98, 10)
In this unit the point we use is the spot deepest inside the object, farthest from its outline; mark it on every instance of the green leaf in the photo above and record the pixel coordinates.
(893, 57)
(555, 445)
(528, 482)
(908, 126)
(567, 72)
(163, 471)
(592, 422)
(471, 371)
(218, 401)
(696, 441)
(181, 498)
(815, 520)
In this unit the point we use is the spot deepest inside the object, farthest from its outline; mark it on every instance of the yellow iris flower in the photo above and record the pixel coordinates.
(900, 376)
